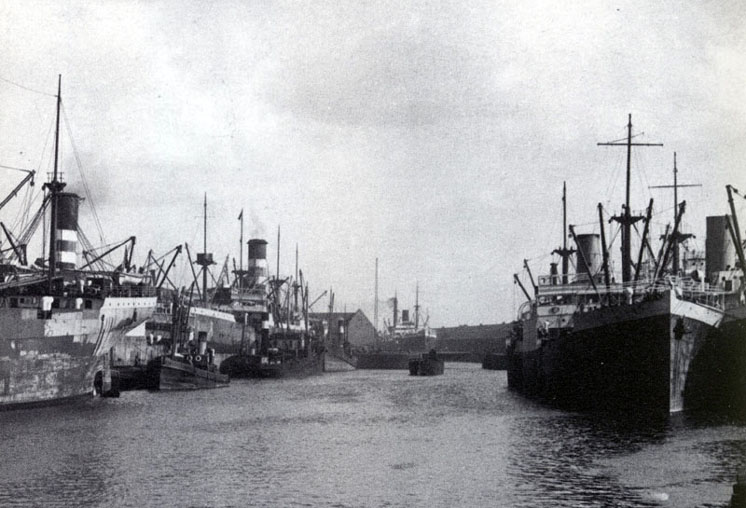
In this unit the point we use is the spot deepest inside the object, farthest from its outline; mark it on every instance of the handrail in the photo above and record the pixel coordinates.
(686, 288)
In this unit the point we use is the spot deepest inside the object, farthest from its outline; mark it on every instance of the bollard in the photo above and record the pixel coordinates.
(738, 500)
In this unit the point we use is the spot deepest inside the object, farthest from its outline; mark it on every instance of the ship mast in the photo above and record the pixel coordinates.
(680, 237)
(295, 282)
(417, 307)
(375, 302)
(277, 273)
(564, 252)
(204, 249)
(55, 186)
(627, 219)
(240, 255)
(396, 313)
(204, 258)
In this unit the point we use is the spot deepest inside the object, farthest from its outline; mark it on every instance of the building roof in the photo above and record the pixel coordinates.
(335, 315)
(465, 332)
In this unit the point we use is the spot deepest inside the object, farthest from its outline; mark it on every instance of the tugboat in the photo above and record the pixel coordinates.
(427, 364)
(208, 320)
(189, 365)
(58, 318)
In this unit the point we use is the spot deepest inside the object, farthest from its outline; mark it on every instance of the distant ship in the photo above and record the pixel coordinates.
(404, 339)
(409, 334)
(58, 319)
(665, 338)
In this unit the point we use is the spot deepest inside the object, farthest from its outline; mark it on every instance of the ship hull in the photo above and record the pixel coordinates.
(251, 366)
(643, 357)
(50, 357)
(221, 331)
(383, 361)
(717, 379)
(426, 367)
(167, 374)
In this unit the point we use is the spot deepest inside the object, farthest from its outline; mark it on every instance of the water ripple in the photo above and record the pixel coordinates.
(359, 439)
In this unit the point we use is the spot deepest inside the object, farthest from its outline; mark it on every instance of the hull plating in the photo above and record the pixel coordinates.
(661, 356)
(222, 332)
(251, 366)
(49, 356)
(174, 375)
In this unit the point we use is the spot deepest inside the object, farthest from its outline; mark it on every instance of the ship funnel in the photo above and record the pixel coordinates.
(257, 271)
(66, 245)
(720, 253)
(405, 316)
(590, 247)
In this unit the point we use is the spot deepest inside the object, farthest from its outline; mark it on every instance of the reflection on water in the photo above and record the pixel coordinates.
(364, 438)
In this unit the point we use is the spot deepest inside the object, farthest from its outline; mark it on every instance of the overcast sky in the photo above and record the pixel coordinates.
(432, 135)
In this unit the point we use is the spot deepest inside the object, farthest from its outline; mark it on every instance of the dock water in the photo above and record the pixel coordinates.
(360, 438)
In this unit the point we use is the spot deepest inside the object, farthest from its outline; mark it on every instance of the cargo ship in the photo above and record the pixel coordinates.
(668, 337)
(59, 319)
(279, 340)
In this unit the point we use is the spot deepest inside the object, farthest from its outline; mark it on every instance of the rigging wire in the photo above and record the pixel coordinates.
(27, 88)
(19, 223)
(84, 180)
(616, 172)
(642, 175)
(14, 168)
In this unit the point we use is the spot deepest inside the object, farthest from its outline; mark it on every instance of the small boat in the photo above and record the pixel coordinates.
(427, 365)
(190, 365)
(275, 364)
(185, 372)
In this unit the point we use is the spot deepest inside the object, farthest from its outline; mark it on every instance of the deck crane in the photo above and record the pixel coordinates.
(28, 178)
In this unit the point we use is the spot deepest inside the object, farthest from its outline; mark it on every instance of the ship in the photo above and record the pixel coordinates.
(204, 319)
(190, 364)
(220, 327)
(58, 318)
(403, 340)
(280, 341)
(428, 364)
(665, 338)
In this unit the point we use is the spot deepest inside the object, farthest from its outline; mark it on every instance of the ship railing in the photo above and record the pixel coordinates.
(162, 309)
(132, 291)
(686, 288)
(689, 289)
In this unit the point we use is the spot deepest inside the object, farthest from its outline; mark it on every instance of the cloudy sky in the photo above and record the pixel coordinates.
(434, 136)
